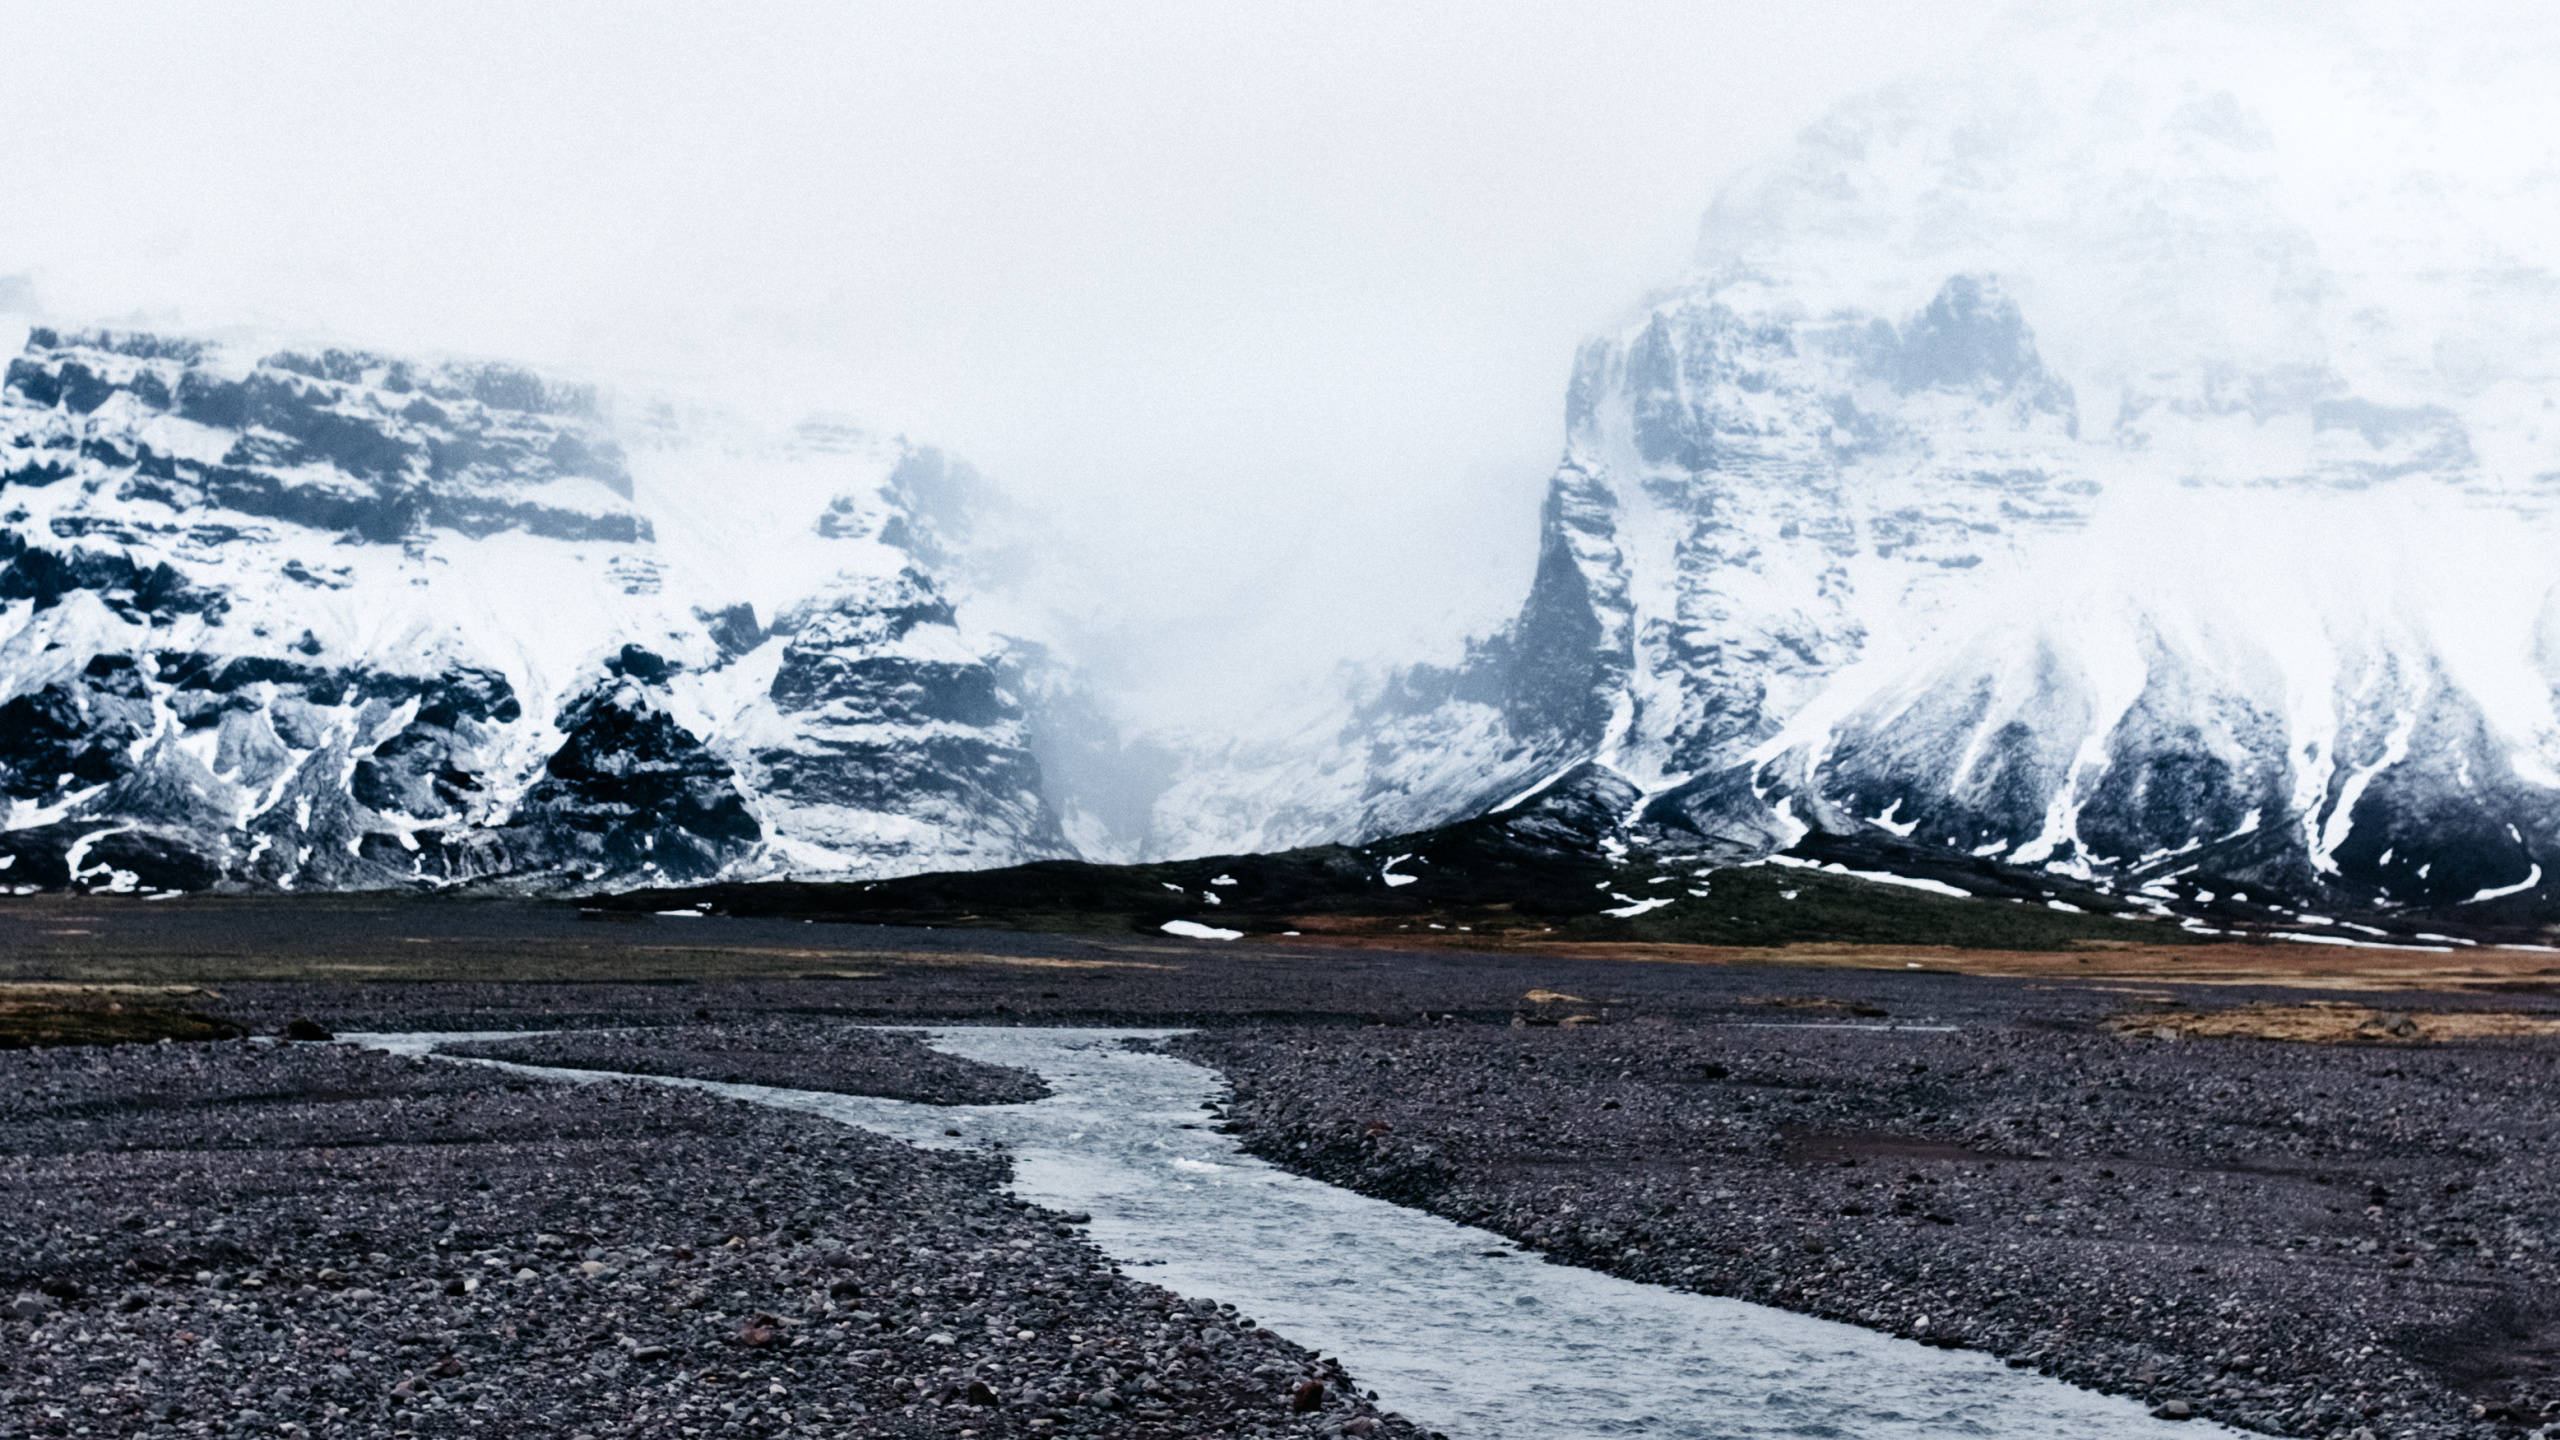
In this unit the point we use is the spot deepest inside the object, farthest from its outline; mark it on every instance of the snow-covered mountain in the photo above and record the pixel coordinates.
(2136, 457)
(342, 620)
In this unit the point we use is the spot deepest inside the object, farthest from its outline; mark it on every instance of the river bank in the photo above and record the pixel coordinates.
(2245, 1172)
(314, 1240)
(2303, 1240)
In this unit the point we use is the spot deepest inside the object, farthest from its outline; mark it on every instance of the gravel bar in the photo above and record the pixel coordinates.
(785, 1052)
(2302, 1240)
(313, 1240)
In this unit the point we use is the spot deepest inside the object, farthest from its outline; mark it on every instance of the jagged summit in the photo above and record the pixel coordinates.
(2130, 458)
(342, 620)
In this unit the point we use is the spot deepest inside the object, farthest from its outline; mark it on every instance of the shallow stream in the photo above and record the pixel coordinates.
(1444, 1321)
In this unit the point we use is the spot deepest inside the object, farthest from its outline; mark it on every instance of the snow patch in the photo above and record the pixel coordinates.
(2357, 944)
(1877, 877)
(1886, 821)
(1194, 930)
(2527, 883)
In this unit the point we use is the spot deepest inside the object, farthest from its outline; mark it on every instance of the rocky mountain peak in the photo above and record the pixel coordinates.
(333, 618)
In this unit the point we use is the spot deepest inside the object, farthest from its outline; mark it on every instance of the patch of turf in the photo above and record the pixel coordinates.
(35, 1024)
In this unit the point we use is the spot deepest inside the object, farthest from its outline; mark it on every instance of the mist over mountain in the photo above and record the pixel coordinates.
(2129, 455)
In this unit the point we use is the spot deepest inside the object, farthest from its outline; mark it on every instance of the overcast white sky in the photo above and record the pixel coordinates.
(1271, 304)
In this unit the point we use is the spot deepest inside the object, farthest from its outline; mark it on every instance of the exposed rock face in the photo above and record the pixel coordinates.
(887, 735)
(1742, 482)
(350, 621)
(2065, 463)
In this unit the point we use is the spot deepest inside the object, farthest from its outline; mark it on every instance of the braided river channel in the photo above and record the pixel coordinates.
(1442, 1320)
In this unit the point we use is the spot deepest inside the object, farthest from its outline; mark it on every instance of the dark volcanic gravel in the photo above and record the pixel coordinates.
(238, 1239)
(783, 1051)
(2302, 1240)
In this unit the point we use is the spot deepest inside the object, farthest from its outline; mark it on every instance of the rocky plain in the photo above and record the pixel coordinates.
(314, 1239)
(2323, 1211)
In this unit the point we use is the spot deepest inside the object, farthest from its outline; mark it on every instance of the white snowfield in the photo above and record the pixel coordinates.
(347, 534)
(2136, 453)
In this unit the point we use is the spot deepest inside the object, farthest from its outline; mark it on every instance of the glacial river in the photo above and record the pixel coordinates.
(1479, 1344)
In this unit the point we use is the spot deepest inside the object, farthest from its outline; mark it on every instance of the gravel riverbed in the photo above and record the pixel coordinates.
(312, 1239)
(2302, 1240)
(786, 1052)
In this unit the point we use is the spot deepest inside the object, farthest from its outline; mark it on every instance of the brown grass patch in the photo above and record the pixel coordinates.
(99, 1018)
(1824, 1003)
(2229, 962)
(2333, 1023)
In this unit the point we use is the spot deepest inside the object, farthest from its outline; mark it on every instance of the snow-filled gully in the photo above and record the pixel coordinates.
(1441, 1319)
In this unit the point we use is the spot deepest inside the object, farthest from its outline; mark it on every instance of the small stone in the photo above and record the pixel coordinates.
(648, 1354)
(2174, 1410)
